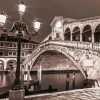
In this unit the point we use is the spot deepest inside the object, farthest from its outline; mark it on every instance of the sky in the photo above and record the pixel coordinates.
(46, 10)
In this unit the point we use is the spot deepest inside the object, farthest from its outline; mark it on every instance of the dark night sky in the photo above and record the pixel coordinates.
(46, 10)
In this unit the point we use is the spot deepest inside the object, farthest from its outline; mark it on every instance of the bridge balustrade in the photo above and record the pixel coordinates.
(83, 45)
(74, 44)
(96, 46)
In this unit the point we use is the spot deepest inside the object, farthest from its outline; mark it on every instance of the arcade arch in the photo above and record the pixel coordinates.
(76, 34)
(97, 34)
(11, 64)
(67, 35)
(87, 34)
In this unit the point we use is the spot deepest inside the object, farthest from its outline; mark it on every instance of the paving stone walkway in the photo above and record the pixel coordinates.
(81, 94)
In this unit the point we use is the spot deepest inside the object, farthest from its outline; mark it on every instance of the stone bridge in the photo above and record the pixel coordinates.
(84, 55)
(78, 40)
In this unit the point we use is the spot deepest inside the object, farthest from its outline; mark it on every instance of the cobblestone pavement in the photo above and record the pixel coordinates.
(81, 94)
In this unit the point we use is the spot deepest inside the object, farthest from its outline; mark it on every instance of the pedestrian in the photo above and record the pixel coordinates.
(73, 80)
(67, 82)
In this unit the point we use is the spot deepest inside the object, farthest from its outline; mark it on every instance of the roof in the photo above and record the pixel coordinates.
(9, 36)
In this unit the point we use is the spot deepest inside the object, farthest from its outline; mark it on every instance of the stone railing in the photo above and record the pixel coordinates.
(75, 44)
(83, 45)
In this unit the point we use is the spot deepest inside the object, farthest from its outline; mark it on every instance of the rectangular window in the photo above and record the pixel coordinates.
(2, 44)
(22, 54)
(10, 53)
(14, 53)
(57, 35)
(30, 46)
(10, 44)
(14, 45)
(1, 53)
(26, 45)
(33, 46)
(23, 45)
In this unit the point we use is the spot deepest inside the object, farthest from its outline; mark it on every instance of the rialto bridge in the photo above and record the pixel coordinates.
(78, 40)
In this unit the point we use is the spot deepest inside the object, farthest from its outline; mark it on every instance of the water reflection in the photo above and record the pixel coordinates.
(56, 80)
(59, 81)
(4, 80)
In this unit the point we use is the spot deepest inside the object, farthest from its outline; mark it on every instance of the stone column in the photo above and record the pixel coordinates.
(71, 37)
(80, 37)
(93, 37)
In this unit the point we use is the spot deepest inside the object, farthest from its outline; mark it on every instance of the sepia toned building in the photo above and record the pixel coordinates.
(8, 50)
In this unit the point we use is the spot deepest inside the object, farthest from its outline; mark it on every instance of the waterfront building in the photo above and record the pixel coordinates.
(8, 50)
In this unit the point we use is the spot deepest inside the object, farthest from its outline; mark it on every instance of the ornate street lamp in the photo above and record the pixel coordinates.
(20, 27)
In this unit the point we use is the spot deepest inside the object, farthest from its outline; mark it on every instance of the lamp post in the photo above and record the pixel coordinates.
(19, 27)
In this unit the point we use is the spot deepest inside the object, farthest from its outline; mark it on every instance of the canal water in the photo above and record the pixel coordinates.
(57, 80)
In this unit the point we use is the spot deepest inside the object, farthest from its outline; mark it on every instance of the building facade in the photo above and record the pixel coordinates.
(8, 50)
(83, 30)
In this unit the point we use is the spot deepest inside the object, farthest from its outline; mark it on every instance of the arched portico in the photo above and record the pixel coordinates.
(67, 35)
(87, 34)
(76, 34)
(97, 34)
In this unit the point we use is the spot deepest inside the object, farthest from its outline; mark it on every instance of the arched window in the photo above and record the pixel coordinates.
(97, 34)
(4, 36)
(76, 34)
(67, 34)
(87, 34)
(11, 64)
(58, 26)
(50, 38)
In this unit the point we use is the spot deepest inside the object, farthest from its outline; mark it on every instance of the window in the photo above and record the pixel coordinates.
(10, 44)
(58, 26)
(26, 45)
(14, 45)
(23, 45)
(10, 53)
(14, 53)
(1, 53)
(30, 46)
(22, 54)
(2, 44)
(57, 35)
(50, 38)
(33, 46)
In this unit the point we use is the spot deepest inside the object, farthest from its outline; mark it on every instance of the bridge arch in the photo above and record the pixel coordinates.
(62, 52)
